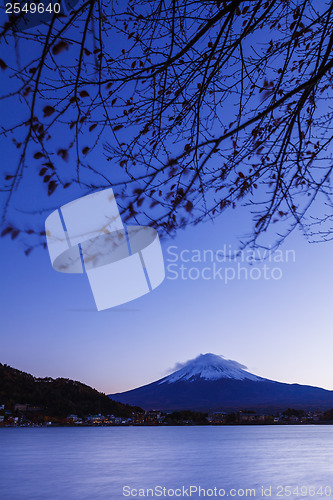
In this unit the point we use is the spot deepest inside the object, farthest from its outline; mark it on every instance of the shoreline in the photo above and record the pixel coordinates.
(254, 424)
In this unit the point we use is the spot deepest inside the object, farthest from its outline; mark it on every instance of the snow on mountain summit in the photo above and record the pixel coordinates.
(210, 367)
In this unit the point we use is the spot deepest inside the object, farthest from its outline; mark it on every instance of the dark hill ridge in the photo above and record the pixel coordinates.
(212, 383)
(57, 397)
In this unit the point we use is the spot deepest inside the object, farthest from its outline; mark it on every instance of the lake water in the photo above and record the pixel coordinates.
(118, 462)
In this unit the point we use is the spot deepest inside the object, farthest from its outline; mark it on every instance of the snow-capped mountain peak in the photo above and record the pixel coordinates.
(210, 367)
(212, 383)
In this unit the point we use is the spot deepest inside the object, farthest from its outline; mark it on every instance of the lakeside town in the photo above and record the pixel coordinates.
(25, 415)
(28, 401)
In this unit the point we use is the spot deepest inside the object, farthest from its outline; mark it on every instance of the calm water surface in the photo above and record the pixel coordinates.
(96, 463)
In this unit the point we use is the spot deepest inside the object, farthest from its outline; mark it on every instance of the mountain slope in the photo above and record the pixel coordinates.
(56, 397)
(212, 383)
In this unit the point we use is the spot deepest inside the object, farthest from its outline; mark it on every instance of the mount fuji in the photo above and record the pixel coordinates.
(213, 383)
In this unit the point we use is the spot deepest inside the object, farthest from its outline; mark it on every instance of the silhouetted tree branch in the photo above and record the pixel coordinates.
(185, 108)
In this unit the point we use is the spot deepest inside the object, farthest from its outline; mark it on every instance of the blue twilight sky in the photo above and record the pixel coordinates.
(279, 328)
